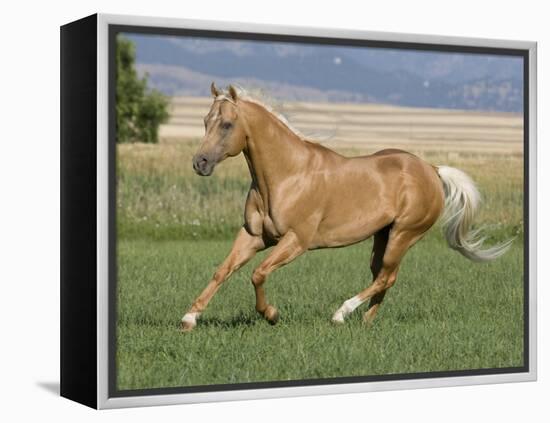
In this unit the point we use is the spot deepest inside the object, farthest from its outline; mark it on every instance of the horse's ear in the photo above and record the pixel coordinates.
(233, 93)
(215, 92)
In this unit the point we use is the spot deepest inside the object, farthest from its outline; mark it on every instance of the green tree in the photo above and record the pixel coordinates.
(139, 109)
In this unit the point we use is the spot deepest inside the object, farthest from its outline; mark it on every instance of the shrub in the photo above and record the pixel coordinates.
(139, 109)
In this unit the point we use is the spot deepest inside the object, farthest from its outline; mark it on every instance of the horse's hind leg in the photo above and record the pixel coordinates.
(377, 254)
(378, 250)
(399, 241)
(376, 300)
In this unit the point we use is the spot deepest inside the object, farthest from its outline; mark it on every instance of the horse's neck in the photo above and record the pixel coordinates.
(273, 152)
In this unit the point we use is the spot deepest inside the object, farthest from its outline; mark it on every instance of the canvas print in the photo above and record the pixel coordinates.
(293, 211)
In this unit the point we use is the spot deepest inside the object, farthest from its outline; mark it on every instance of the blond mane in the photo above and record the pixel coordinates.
(244, 95)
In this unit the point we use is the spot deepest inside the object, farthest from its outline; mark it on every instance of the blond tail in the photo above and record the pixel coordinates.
(461, 202)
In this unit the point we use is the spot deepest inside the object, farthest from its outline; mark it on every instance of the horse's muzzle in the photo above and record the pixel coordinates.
(203, 165)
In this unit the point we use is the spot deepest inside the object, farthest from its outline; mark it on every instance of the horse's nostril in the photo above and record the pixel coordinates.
(200, 163)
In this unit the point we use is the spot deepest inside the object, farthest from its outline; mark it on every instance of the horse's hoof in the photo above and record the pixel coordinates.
(368, 319)
(368, 322)
(188, 322)
(271, 314)
(338, 318)
(187, 327)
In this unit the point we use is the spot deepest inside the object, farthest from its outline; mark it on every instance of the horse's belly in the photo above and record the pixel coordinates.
(342, 232)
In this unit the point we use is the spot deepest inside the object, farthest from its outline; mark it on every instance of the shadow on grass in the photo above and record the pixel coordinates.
(241, 319)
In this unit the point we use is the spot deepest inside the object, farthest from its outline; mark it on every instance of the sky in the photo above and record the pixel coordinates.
(177, 65)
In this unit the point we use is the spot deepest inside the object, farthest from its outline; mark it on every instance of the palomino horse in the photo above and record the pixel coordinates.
(304, 196)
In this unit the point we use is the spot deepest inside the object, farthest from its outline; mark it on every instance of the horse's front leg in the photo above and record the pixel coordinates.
(288, 248)
(244, 248)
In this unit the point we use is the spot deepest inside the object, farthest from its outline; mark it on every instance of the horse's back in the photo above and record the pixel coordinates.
(393, 162)
(369, 192)
(409, 174)
(390, 151)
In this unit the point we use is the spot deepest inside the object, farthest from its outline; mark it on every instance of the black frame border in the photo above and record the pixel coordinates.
(78, 211)
(115, 29)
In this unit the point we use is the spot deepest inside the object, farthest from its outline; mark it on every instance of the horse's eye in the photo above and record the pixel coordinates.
(227, 125)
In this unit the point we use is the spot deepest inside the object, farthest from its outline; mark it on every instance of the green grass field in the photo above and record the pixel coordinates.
(174, 228)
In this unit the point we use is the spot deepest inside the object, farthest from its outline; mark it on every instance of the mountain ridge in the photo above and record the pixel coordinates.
(180, 66)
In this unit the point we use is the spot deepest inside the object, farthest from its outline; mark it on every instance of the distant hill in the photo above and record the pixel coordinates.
(186, 66)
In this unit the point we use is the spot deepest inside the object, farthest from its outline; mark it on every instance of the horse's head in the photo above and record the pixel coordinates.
(224, 132)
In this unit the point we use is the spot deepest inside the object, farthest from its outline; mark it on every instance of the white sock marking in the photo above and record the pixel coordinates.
(347, 308)
(190, 318)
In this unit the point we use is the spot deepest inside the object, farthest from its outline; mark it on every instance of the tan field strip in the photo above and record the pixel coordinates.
(373, 126)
